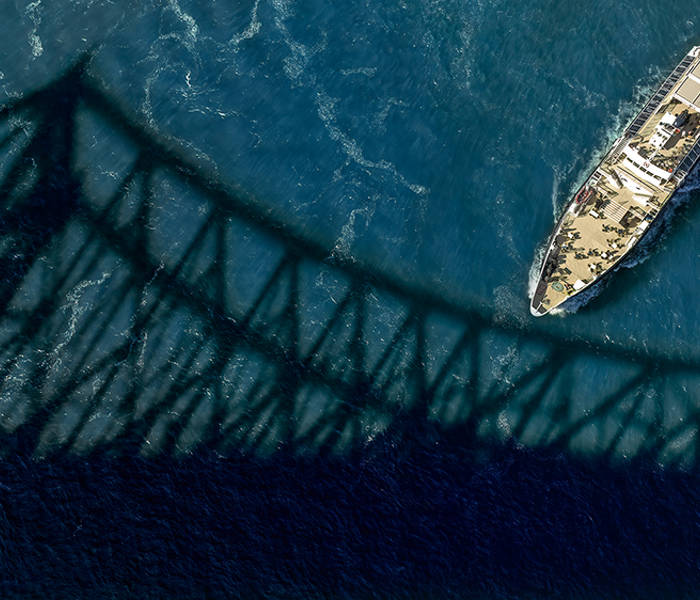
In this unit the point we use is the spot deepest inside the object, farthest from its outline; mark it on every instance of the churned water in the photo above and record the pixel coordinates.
(438, 139)
(430, 143)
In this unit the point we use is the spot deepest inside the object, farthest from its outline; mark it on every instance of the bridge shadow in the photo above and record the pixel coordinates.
(334, 424)
(145, 306)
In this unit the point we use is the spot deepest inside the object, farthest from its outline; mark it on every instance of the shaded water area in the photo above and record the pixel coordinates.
(265, 329)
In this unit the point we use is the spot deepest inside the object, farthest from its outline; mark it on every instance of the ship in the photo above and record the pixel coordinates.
(626, 192)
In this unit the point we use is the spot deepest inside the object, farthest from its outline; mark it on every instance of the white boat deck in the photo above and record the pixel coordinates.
(627, 191)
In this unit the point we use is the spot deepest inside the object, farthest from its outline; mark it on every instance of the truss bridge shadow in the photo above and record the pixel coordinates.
(147, 306)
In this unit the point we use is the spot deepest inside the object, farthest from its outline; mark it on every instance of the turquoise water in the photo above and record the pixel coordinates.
(435, 142)
(439, 141)
(442, 139)
(291, 244)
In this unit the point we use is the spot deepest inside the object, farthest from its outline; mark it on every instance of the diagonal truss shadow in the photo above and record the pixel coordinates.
(147, 306)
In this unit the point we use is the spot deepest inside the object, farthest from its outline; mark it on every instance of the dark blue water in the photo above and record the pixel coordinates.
(412, 153)
(429, 520)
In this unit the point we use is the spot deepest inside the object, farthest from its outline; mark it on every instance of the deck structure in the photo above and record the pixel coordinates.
(626, 192)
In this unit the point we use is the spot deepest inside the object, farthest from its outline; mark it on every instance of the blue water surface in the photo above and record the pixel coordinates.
(431, 143)
(439, 140)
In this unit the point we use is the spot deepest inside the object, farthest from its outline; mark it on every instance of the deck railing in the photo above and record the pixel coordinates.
(660, 94)
(688, 162)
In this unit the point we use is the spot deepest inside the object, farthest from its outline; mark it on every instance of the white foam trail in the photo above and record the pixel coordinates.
(366, 71)
(468, 21)
(191, 24)
(502, 364)
(590, 99)
(188, 40)
(250, 31)
(505, 299)
(282, 9)
(348, 232)
(32, 11)
(146, 288)
(295, 67)
(378, 122)
(146, 106)
(692, 182)
(76, 308)
(555, 191)
(505, 228)
(503, 424)
(352, 149)
(534, 273)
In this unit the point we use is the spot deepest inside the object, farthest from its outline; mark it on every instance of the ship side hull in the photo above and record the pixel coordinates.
(605, 274)
(624, 197)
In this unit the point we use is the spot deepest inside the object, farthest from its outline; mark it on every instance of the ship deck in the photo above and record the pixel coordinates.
(622, 197)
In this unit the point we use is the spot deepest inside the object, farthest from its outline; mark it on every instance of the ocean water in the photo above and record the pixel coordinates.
(412, 155)
(437, 141)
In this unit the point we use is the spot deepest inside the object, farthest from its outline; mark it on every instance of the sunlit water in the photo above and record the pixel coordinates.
(435, 141)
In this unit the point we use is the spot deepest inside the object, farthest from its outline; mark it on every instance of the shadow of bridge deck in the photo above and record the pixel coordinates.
(147, 306)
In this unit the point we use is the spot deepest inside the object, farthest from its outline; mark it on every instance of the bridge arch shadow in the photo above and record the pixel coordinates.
(147, 306)
(340, 433)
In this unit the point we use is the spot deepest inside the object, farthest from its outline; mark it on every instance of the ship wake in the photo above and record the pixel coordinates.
(535, 268)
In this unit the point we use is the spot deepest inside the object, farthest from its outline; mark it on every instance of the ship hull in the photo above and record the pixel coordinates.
(605, 275)
(626, 194)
